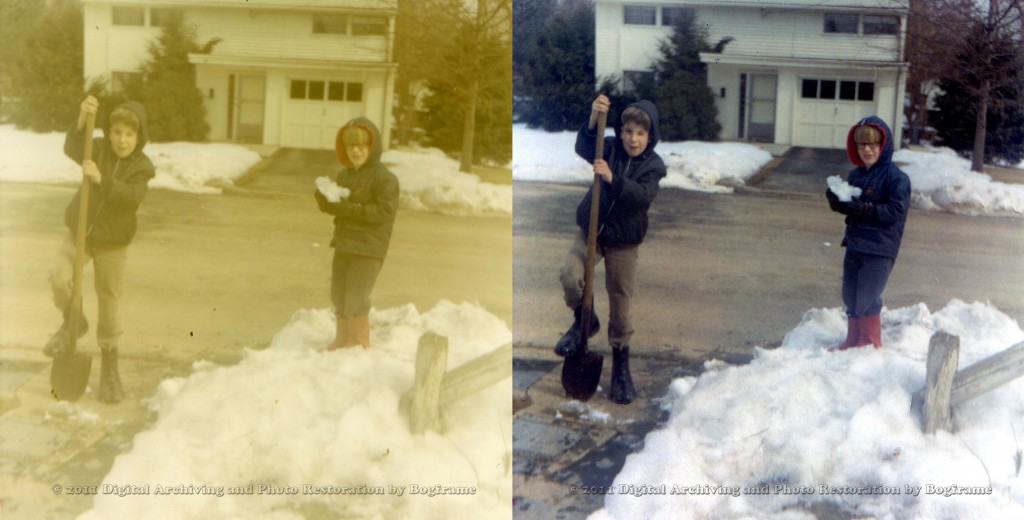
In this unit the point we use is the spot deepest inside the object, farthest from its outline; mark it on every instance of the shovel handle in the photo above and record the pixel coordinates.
(595, 208)
(83, 216)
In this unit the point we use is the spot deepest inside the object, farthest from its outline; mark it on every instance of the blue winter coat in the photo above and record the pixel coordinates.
(624, 203)
(887, 188)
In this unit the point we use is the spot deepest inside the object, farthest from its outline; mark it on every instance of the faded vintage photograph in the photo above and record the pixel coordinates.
(255, 259)
(767, 259)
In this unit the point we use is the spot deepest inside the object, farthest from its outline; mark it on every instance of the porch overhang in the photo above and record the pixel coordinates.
(806, 63)
(254, 62)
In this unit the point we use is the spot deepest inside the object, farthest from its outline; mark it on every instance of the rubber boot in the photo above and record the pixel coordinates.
(359, 331)
(622, 391)
(569, 344)
(871, 331)
(852, 334)
(110, 380)
(340, 336)
(58, 343)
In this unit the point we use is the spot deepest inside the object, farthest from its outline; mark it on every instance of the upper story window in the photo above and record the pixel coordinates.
(671, 15)
(330, 24)
(129, 16)
(881, 25)
(350, 25)
(158, 17)
(836, 23)
(841, 23)
(640, 15)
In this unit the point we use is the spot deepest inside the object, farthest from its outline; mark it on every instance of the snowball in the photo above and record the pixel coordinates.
(842, 189)
(330, 189)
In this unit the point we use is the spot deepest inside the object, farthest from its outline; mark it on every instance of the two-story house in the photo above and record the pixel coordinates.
(286, 72)
(797, 72)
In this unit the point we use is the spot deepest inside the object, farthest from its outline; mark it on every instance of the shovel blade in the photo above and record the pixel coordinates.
(581, 374)
(69, 376)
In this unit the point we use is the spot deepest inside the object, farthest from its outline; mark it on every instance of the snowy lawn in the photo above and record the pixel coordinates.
(291, 429)
(800, 428)
(940, 179)
(429, 180)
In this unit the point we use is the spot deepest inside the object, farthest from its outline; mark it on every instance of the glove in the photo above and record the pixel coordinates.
(854, 208)
(326, 206)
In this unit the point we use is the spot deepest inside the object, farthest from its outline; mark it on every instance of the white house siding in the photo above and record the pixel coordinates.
(263, 43)
(782, 39)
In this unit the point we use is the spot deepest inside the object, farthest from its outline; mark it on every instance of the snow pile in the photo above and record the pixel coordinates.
(942, 180)
(330, 189)
(692, 165)
(801, 429)
(842, 189)
(430, 181)
(290, 432)
(188, 167)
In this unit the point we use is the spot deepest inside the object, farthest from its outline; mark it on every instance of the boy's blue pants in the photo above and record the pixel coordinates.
(864, 279)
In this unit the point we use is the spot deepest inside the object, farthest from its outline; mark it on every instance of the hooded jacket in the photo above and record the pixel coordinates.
(112, 207)
(363, 222)
(886, 188)
(622, 217)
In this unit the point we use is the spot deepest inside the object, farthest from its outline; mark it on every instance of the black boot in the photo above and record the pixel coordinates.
(569, 345)
(622, 391)
(58, 343)
(110, 380)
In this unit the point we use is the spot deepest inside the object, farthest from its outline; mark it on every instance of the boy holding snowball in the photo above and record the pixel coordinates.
(364, 210)
(874, 227)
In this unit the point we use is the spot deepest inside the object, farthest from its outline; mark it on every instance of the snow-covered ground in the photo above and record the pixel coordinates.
(291, 431)
(800, 427)
(940, 179)
(430, 181)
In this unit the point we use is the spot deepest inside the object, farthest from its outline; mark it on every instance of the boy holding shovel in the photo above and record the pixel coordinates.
(118, 175)
(630, 171)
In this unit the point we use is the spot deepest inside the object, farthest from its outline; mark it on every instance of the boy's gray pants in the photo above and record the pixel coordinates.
(620, 270)
(108, 270)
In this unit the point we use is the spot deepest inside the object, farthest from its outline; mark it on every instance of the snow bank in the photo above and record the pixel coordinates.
(430, 181)
(189, 167)
(692, 165)
(942, 180)
(801, 429)
(290, 432)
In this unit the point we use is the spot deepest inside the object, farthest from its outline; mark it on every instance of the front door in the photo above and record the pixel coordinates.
(251, 105)
(761, 119)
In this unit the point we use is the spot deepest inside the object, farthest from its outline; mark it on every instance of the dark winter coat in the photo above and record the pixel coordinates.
(622, 218)
(363, 222)
(112, 206)
(887, 189)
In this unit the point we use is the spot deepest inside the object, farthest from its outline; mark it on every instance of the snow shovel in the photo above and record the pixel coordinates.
(70, 372)
(581, 372)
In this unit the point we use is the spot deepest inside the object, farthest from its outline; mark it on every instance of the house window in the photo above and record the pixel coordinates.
(330, 24)
(847, 90)
(841, 23)
(881, 25)
(315, 90)
(369, 26)
(670, 16)
(159, 17)
(120, 81)
(640, 15)
(633, 80)
(135, 16)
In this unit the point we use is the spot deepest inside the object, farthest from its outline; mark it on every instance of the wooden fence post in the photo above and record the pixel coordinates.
(943, 356)
(431, 362)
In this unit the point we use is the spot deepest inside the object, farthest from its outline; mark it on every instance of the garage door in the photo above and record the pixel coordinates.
(827, 108)
(316, 108)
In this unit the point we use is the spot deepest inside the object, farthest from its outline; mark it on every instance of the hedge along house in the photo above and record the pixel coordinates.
(285, 73)
(797, 72)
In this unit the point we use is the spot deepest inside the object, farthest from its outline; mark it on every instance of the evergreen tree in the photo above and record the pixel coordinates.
(173, 103)
(42, 63)
(686, 105)
(558, 74)
(958, 104)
